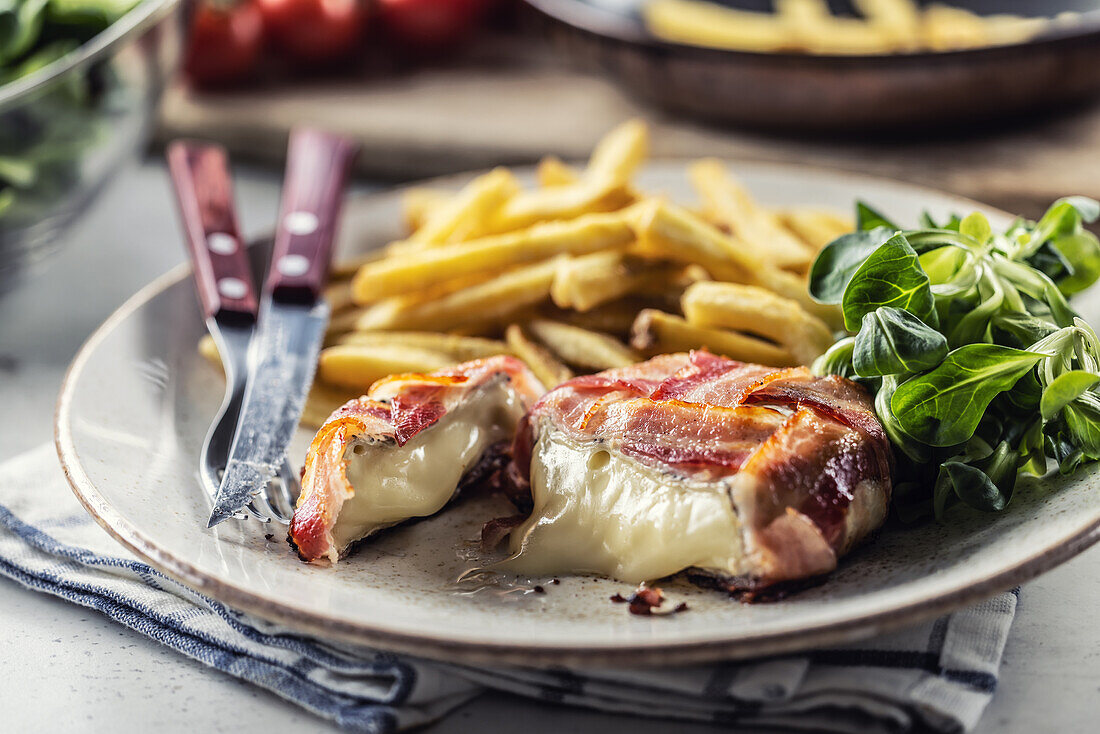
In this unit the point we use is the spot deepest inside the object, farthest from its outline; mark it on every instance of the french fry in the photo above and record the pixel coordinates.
(427, 267)
(359, 366)
(758, 311)
(460, 348)
(418, 204)
(819, 31)
(944, 28)
(428, 291)
(619, 153)
(493, 325)
(731, 206)
(897, 20)
(815, 227)
(669, 231)
(322, 402)
(702, 23)
(614, 318)
(665, 230)
(208, 350)
(346, 269)
(498, 298)
(464, 215)
(338, 295)
(1003, 29)
(603, 187)
(657, 332)
(584, 282)
(887, 26)
(360, 318)
(581, 347)
(546, 367)
(553, 171)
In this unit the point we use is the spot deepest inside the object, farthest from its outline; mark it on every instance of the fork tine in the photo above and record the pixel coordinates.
(285, 493)
(279, 511)
(259, 511)
(262, 503)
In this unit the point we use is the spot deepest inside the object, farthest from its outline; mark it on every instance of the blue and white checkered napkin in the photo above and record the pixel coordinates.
(937, 676)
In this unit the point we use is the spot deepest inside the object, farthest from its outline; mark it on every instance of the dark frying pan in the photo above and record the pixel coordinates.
(837, 93)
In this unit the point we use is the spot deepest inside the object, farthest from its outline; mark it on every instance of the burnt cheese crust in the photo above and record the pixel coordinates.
(746, 475)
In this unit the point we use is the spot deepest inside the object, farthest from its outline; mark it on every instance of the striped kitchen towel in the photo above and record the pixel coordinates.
(937, 676)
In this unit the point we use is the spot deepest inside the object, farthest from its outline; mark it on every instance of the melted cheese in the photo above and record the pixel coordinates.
(394, 483)
(602, 512)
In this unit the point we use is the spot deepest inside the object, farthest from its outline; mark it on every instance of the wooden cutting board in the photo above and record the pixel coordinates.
(507, 107)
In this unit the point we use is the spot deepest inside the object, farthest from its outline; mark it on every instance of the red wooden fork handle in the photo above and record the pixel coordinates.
(204, 192)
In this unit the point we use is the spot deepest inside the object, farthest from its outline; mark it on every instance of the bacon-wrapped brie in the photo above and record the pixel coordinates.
(403, 450)
(748, 474)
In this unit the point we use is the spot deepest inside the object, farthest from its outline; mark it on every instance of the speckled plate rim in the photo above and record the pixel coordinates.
(442, 647)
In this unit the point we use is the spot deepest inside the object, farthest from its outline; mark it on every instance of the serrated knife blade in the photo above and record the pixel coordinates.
(292, 319)
(282, 362)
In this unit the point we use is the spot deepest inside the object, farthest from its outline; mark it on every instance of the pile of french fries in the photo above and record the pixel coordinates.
(884, 26)
(583, 273)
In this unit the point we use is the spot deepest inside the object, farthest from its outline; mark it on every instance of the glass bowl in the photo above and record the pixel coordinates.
(68, 127)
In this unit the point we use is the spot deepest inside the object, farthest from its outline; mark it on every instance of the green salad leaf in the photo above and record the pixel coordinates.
(987, 483)
(44, 141)
(981, 369)
(20, 26)
(840, 259)
(892, 341)
(890, 276)
(1064, 389)
(838, 360)
(1080, 255)
(868, 219)
(944, 406)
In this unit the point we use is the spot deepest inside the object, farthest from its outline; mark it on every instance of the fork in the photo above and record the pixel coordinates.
(223, 279)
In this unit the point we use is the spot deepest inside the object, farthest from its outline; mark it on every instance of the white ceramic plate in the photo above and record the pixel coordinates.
(138, 399)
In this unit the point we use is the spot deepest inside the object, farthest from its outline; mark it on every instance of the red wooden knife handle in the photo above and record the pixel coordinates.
(313, 190)
(204, 191)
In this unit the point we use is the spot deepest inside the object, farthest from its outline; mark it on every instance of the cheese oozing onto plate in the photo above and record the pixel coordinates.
(405, 449)
(745, 474)
(601, 512)
(392, 484)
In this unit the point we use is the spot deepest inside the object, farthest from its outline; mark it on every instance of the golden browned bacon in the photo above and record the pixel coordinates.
(396, 411)
(803, 461)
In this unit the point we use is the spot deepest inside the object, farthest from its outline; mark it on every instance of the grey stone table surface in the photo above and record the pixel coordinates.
(67, 668)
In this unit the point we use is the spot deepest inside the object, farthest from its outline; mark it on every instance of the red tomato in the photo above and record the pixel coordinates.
(225, 42)
(431, 24)
(314, 31)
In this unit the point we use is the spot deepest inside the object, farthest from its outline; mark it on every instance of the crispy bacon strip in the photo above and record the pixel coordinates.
(396, 408)
(807, 462)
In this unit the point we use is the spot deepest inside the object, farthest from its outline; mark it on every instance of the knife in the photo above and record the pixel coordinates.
(223, 278)
(292, 320)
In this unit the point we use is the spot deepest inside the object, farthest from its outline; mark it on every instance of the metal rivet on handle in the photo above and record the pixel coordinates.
(293, 265)
(221, 243)
(232, 288)
(300, 223)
